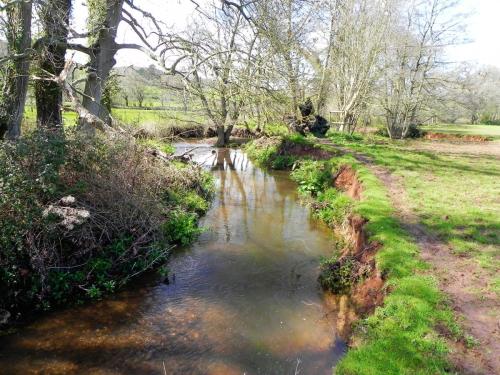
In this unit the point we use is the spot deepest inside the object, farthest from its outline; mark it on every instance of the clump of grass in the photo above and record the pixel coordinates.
(165, 147)
(311, 176)
(332, 207)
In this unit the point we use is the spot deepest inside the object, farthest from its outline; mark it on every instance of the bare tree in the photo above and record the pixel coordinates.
(359, 32)
(285, 24)
(214, 59)
(139, 93)
(422, 28)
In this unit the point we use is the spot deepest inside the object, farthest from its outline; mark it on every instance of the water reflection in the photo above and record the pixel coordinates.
(245, 298)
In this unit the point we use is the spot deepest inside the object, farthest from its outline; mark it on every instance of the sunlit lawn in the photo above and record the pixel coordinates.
(484, 130)
(131, 116)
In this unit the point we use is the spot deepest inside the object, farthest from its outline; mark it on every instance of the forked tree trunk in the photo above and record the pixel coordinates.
(223, 135)
(16, 74)
(102, 60)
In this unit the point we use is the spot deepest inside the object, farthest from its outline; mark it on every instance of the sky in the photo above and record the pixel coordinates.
(483, 30)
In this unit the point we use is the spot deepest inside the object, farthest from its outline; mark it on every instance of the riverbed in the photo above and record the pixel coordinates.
(243, 299)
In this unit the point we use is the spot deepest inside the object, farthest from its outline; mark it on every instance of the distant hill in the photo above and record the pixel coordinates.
(150, 76)
(152, 85)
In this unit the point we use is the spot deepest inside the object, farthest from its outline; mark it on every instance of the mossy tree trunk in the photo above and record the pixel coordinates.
(16, 70)
(104, 18)
(54, 17)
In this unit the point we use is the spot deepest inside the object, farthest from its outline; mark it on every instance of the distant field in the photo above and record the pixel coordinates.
(158, 117)
(131, 116)
(484, 130)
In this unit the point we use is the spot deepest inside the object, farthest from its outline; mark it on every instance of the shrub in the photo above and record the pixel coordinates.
(283, 153)
(80, 218)
(312, 176)
(181, 227)
(332, 207)
(338, 274)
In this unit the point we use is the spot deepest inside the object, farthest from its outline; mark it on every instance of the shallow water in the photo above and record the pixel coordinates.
(243, 299)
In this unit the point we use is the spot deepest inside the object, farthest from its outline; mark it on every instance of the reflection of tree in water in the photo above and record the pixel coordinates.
(227, 163)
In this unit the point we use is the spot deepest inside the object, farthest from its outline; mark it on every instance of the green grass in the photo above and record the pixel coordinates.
(139, 117)
(456, 196)
(129, 116)
(492, 131)
(400, 337)
(69, 117)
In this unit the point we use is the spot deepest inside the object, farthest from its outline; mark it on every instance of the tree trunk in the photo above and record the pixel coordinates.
(326, 72)
(16, 76)
(221, 136)
(227, 134)
(102, 60)
(54, 16)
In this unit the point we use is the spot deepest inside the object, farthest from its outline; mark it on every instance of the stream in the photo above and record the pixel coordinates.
(243, 299)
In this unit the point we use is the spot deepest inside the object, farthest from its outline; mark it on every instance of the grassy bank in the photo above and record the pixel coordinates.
(400, 337)
(455, 195)
(82, 218)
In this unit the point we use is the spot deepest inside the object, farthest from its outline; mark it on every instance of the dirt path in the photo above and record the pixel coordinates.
(458, 277)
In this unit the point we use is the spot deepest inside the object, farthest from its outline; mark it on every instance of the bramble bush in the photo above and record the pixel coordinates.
(79, 217)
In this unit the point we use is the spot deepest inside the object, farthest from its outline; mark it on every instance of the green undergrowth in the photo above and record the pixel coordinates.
(400, 337)
(80, 218)
(283, 152)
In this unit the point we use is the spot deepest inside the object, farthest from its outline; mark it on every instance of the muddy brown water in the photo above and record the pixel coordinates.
(244, 298)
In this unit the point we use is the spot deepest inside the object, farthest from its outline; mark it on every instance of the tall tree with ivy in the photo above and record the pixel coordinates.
(51, 47)
(15, 70)
(104, 19)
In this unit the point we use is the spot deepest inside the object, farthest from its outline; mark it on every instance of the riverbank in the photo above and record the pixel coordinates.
(446, 197)
(407, 332)
(243, 298)
(82, 218)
